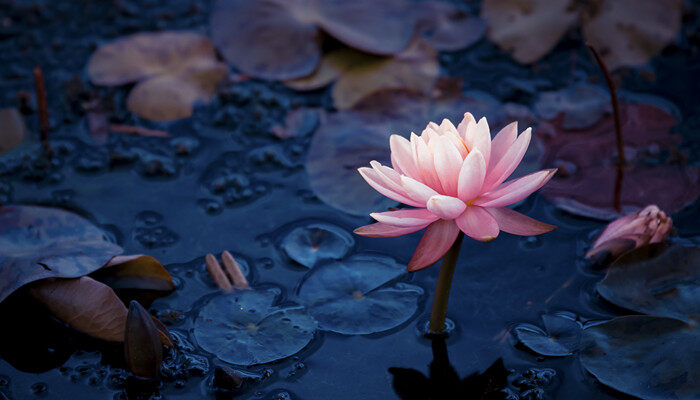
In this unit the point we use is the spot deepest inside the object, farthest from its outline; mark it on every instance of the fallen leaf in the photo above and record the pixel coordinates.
(85, 304)
(174, 70)
(644, 356)
(135, 272)
(300, 122)
(657, 279)
(280, 39)
(143, 350)
(582, 105)
(587, 179)
(626, 32)
(12, 129)
(43, 242)
(446, 27)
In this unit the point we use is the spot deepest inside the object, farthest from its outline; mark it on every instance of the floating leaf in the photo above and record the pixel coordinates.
(12, 129)
(644, 356)
(42, 242)
(351, 139)
(315, 242)
(143, 350)
(279, 39)
(626, 32)
(356, 296)
(298, 123)
(135, 272)
(561, 336)
(658, 279)
(583, 105)
(174, 70)
(586, 158)
(85, 304)
(246, 328)
(446, 27)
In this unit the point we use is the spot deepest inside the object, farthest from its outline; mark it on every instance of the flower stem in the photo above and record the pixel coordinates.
(442, 290)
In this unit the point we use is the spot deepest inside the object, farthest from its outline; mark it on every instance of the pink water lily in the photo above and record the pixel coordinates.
(456, 179)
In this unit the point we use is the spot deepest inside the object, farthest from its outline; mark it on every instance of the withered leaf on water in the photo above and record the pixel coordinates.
(85, 304)
(143, 350)
(280, 39)
(135, 272)
(12, 129)
(174, 70)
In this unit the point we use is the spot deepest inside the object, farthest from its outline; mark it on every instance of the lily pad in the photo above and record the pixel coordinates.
(561, 336)
(649, 357)
(317, 241)
(583, 105)
(359, 295)
(350, 139)
(174, 70)
(43, 242)
(658, 279)
(446, 27)
(247, 328)
(280, 39)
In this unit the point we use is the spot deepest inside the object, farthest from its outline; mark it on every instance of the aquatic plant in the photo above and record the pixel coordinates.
(455, 176)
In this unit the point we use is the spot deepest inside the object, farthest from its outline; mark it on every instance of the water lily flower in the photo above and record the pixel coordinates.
(649, 225)
(456, 179)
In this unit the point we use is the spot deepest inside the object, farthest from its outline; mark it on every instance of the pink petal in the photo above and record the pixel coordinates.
(382, 230)
(502, 142)
(392, 180)
(417, 190)
(515, 190)
(446, 126)
(463, 126)
(437, 239)
(478, 224)
(446, 207)
(471, 176)
(518, 224)
(448, 162)
(403, 218)
(377, 182)
(507, 164)
(401, 156)
(479, 137)
(423, 158)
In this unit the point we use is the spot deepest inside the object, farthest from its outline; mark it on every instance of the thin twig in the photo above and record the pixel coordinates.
(234, 271)
(42, 104)
(137, 130)
(217, 273)
(618, 126)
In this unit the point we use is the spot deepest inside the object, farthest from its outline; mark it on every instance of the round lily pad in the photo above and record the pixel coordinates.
(659, 279)
(561, 336)
(359, 295)
(644, 356)
(317, 241)
(43, 242)
(247, 328)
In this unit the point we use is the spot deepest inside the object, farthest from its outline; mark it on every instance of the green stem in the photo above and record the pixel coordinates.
(442, 290)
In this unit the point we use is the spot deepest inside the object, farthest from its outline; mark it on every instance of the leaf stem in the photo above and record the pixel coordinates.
(442, 289)
(43, 107)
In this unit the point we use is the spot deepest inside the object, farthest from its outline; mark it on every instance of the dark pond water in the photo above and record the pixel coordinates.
(162, 203)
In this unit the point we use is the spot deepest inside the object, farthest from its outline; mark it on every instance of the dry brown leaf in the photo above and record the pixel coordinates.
(12, 129)
(135, 272)
(279, 39)
(174, 71)
(143, 348)
(85, 304)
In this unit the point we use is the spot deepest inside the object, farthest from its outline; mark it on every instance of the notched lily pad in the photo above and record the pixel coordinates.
(644, 356)
(42, 242)
(247, 328)
(315, 242)
(561, 336)
(658, 279)
(358, 295)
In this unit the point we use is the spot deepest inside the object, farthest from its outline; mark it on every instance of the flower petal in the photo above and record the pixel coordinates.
(479, 137)
(518, 224)
(502, 142)
(478, 224)
(392, 180)
(401, 156)
(448, 162)
(403, 218)
(446, 207)
(377, 182)
(423, 159)
(417, 190)
(437, 239)
(463, 127)
(382, 230)
(510, 160)
(515, 190)
(471, 176)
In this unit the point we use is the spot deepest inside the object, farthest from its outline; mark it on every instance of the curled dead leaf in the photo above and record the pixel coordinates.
(174, 71)
(143, 349)
(135, 272)
(85, 304)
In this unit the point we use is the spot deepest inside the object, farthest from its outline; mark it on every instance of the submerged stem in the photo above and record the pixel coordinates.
(442, 290)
